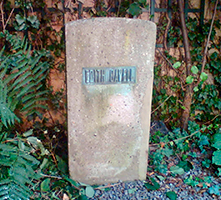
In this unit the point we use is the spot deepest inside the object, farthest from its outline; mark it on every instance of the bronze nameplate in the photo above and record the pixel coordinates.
(108, 75)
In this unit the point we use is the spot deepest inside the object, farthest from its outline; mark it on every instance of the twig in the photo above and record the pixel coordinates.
(207, 43)
(170, 64)
(9, 18)
(4, 24)
(213, 119)
(186, 136)
(178, 138)
(161, 104)
(185, 38)
(166, 31)
(49, 176)
(2, 13)
(107, 186)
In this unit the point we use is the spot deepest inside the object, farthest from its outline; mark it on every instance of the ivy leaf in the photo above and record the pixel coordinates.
(89, 191)
(32, 19)
(203, 76)
(189, 79)
(134, 9)
(217, 157)
(167, 152)
(217, 141)
(171, 195)
(194, 69)
(214, 190)
(177, 65)
(190, 181)
(20, 19)
(185, 165)
(153, 186)
(196, 89)
(177, 170)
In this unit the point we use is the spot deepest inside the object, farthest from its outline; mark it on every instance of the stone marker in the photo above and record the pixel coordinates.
(109, 88)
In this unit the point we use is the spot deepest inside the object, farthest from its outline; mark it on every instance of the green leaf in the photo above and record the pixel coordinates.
(214, 190)
(153, 185)
(89, 191)
(217, 141)
(194, 69)
(177, 170)
(33, 140)
(167, 152)
(217, 157)
(171, 195)
(20, 19)
(190, 181)
(186, 165)
(43, 164)
(134, 9)
(83, 197)
(176, 65)
(21, 145)
(62, 165)
(189, 79)
(28, 133)
(203, 76)
(45, 185)
(32, 19)
(161, 178)
(219, 171)
(196, 89)
(74, 183)
(142, 1)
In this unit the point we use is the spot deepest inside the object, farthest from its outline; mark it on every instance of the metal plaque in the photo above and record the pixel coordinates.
(109, 75)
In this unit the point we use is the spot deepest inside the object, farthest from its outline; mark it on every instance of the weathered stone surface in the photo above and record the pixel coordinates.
(109, 122)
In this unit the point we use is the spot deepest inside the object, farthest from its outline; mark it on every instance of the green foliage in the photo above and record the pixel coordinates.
(22, 84)
(151, 184)
(206, 104)
(216, 143)
(171, 195)
(20, 168)
(136, 7)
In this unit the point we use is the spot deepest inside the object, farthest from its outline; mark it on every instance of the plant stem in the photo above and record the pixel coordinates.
(189, 90)
(207, 43)
(161, 104)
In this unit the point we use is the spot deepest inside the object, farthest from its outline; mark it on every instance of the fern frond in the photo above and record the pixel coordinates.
(21, 74)
(32, 104)
(6, 115)
(41, 78)
(21, 78)
(11, 189)
(25, 90)
(34, 61)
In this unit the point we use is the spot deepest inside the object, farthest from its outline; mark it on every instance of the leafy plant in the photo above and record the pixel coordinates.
(20, 168)
(22, 85)
(216, 143)
(152, 184)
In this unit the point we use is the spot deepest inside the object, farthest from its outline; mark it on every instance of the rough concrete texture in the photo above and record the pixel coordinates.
(108, 125)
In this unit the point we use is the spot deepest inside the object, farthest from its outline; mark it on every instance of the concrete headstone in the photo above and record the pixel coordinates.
(109, 89)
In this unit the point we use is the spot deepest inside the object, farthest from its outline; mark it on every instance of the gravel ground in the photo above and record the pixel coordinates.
(136, 190)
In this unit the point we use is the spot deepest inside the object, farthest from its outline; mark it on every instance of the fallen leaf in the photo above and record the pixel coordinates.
(162, 144)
